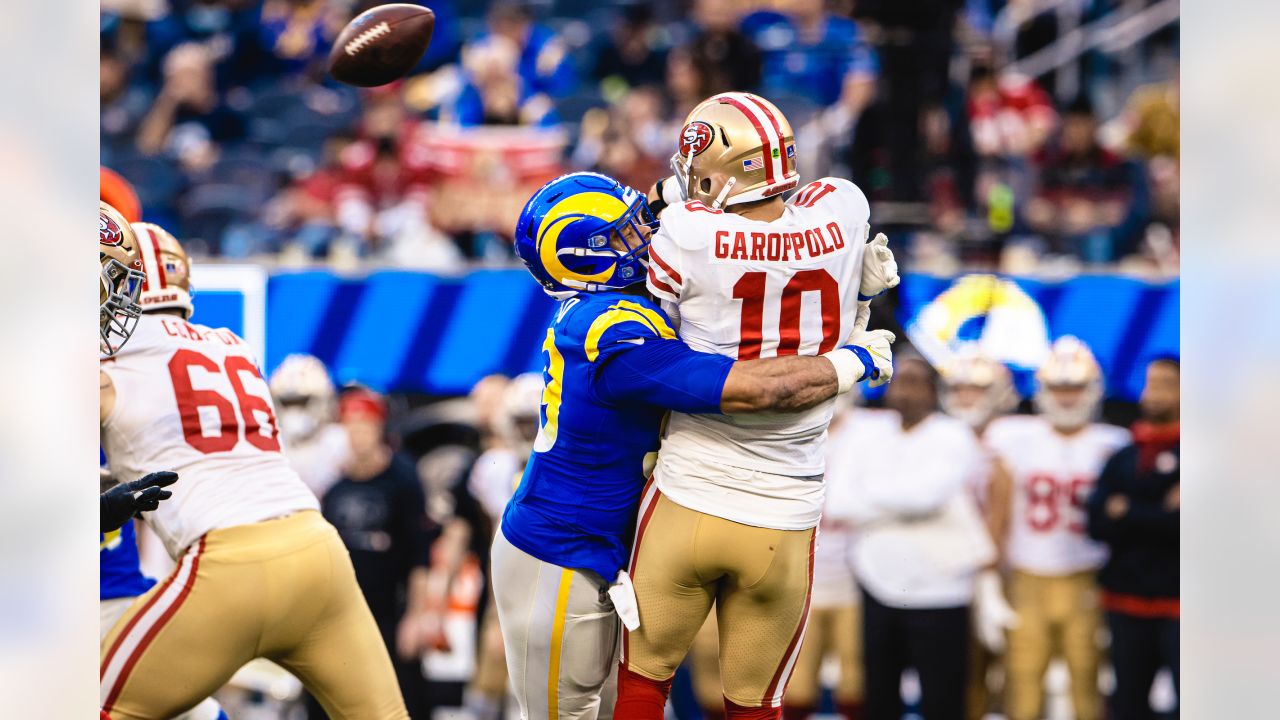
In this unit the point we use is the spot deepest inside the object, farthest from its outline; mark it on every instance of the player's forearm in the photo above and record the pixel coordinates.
(787, 384)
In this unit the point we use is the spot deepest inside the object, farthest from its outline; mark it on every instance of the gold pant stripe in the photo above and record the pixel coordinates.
(557, 639)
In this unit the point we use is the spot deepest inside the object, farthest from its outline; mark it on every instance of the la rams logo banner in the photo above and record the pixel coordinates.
(407, 331)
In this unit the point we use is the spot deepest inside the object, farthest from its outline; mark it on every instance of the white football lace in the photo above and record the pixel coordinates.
(367, 37)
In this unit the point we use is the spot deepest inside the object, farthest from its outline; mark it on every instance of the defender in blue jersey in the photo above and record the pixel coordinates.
(612, 367)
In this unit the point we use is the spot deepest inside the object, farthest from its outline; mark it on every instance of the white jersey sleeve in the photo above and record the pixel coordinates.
(191, 399)
(1053, 475)
(751, 289)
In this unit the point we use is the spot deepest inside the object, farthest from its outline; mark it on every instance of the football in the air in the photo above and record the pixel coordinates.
(381, 45)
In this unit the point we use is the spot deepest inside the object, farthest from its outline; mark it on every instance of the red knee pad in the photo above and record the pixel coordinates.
(737, 712)
(640, 698)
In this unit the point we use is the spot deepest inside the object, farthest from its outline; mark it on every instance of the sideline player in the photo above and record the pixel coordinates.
(1055, 458)
(259, 573)
(737, 499)
(613, 366)
(977, 390)
(315, 443)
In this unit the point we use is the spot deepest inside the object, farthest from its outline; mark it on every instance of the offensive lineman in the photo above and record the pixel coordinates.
(259, 574)
(737, 499)
(1055, 458)
(120, 579)
(613, 366)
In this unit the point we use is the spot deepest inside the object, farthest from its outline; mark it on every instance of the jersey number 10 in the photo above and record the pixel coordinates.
(752, 288)
(230, 427)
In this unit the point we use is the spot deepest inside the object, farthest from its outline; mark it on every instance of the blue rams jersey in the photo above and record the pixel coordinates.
(576, 503)
(119, 572)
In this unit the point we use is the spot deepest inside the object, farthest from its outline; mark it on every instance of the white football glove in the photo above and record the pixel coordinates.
(879, 345)
(992, 614)
(879, 268)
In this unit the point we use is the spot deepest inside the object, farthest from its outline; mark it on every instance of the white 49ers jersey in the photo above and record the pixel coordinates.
(1053, 475)
(191, 399)
(753, 289)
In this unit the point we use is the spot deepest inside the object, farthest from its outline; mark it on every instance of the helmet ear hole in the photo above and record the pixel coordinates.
(705, 185)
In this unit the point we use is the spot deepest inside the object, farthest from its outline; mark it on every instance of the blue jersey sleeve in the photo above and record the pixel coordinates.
(664, 373)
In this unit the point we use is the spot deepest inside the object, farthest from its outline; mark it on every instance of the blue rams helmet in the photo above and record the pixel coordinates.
(585, 232)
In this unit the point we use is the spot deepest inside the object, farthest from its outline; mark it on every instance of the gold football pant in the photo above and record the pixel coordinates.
(832, 631)
(704, 668)
(758, 578)
(281, 589)
(1056, 616)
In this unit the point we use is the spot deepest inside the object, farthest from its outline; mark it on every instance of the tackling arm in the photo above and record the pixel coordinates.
(667, 373)
(785, 384)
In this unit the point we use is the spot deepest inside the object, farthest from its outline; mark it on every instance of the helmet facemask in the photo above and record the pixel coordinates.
(1070, 366)
(118, 308)
(625, 240)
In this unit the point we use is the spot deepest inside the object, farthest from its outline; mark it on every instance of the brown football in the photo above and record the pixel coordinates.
(381, 44)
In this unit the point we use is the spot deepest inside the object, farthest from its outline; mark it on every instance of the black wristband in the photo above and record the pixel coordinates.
(658, 205)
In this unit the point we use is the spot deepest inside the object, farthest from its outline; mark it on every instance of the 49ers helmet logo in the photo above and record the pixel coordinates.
(109, 232)
(695, 138)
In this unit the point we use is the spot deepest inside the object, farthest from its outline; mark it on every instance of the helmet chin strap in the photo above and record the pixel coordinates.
(724, 193)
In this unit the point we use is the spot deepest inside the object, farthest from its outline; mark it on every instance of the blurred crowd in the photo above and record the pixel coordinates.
(1020, 135)
(981, 554)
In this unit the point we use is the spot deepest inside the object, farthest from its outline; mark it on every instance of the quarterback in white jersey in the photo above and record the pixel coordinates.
(259, 572)
(1054, 459)
(747, 289)
(743, 274)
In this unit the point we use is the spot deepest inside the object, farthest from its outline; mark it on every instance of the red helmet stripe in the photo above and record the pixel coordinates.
(764, 137)
(149, 254)
(782, 141)
(159, 260)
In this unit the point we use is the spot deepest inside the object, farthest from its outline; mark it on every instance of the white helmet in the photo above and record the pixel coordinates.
(971, 368)
(304, 396)
(1070, 364)
(520, 412)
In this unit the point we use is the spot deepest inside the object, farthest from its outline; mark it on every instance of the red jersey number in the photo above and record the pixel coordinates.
(1051, 501)
(810, 194)
(751, 289)
(231, 427)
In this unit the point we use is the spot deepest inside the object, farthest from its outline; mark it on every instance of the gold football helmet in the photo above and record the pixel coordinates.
(977, 388)
(1070, 384)
(167, 269)
(121, 279)
(735, 147)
